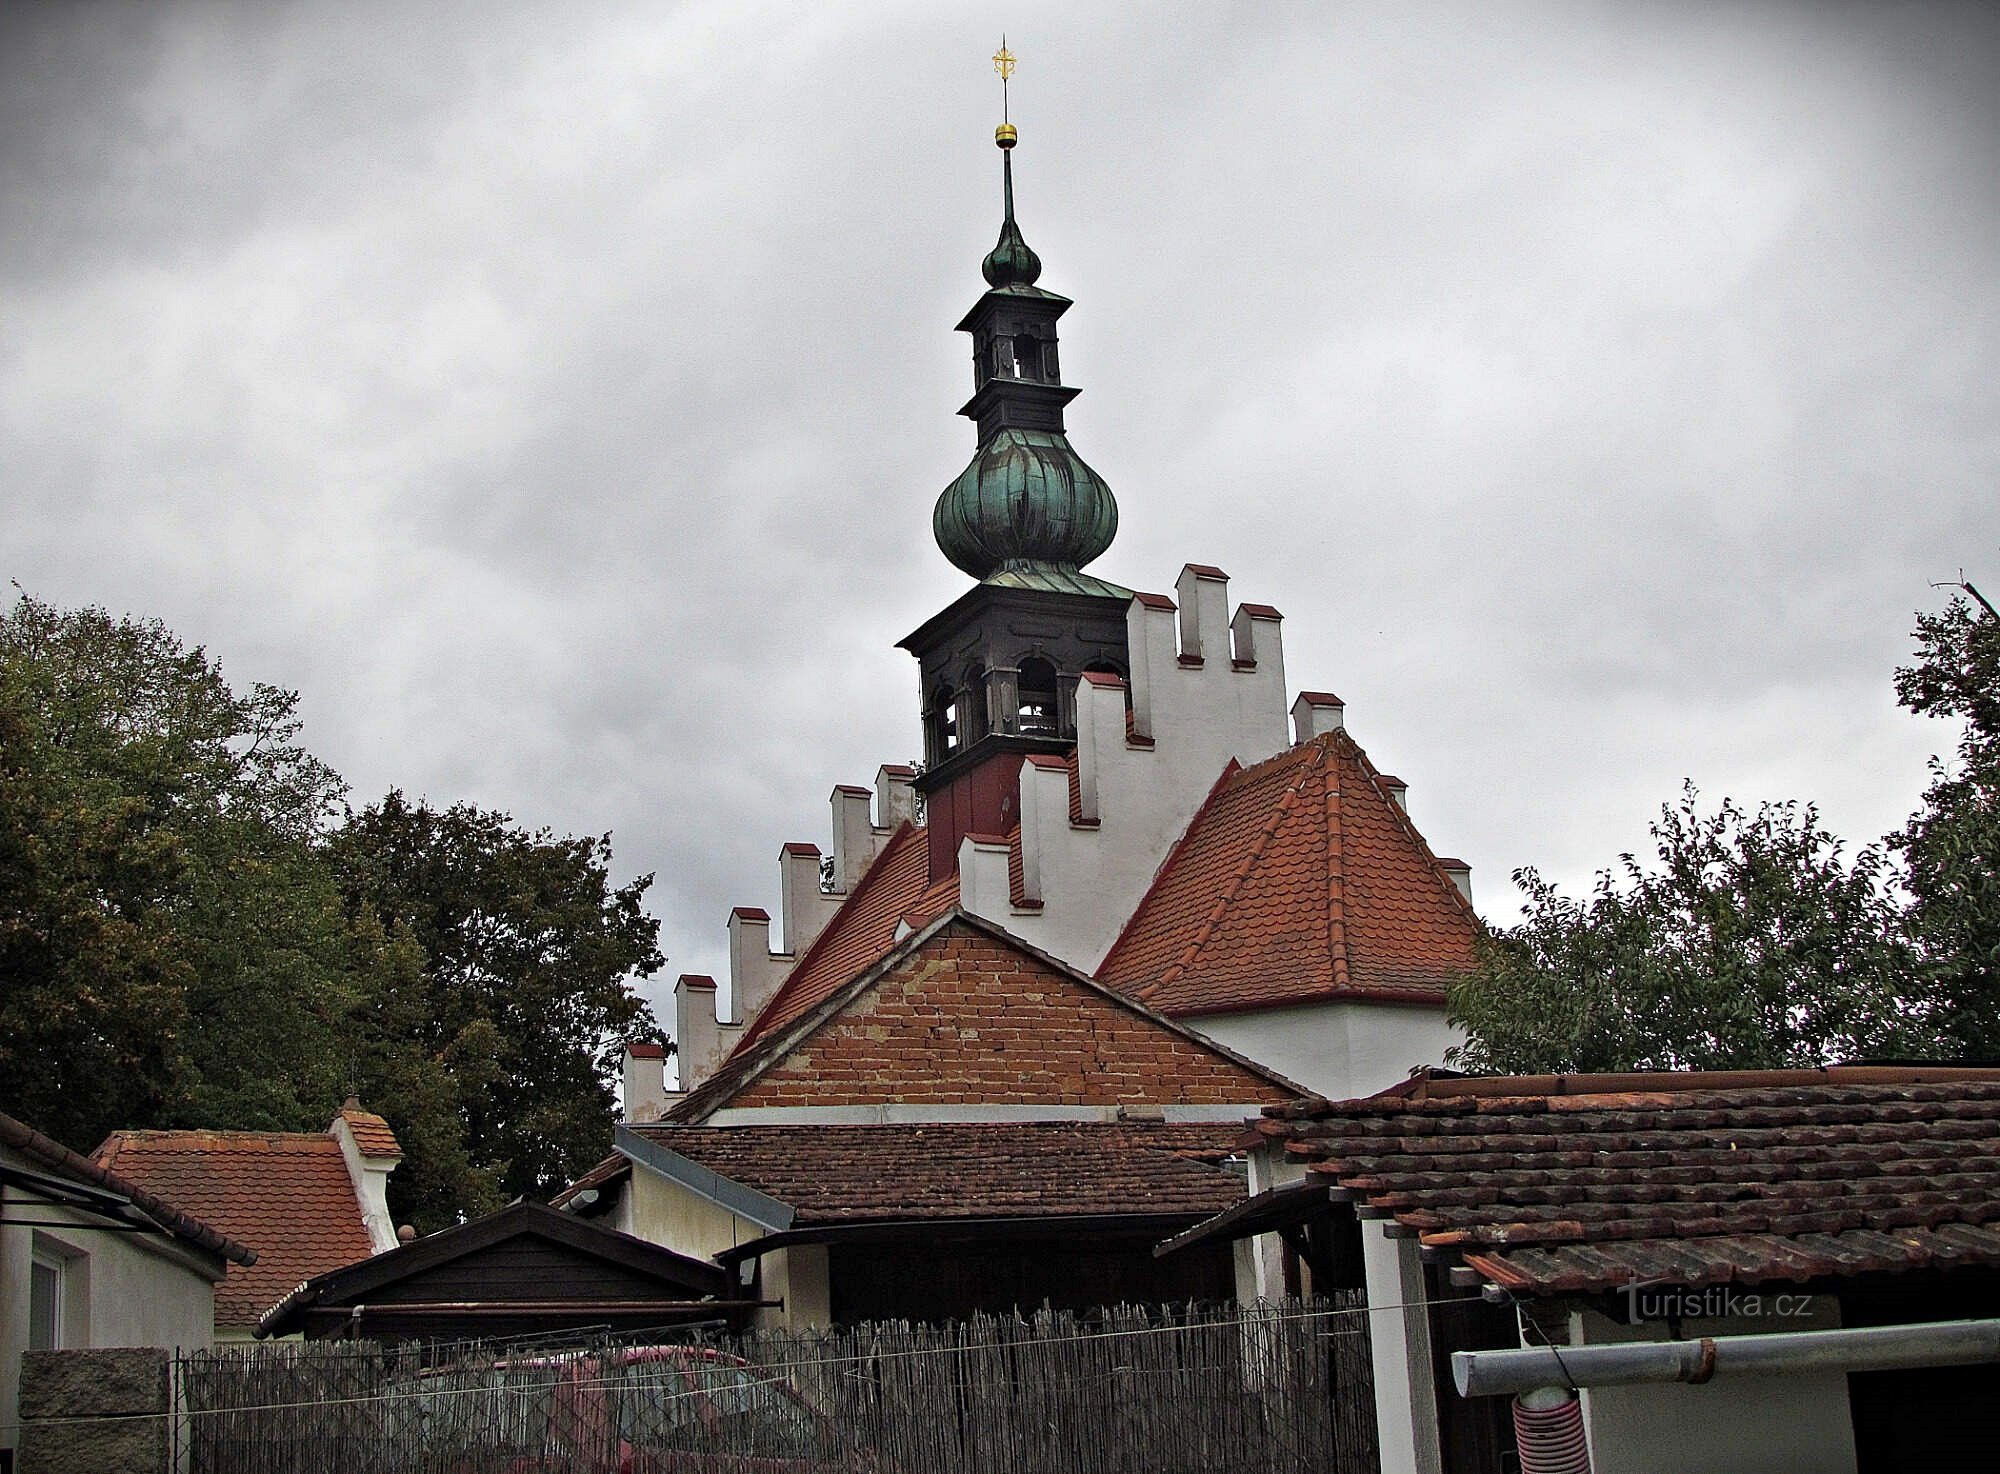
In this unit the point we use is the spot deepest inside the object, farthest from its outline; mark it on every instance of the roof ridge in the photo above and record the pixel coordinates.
(1280, 811)
(1336, 886)
(1402, 817)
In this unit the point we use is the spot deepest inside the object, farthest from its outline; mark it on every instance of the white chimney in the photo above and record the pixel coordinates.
(1460, 874)
(1316, 713)
(895, 794)
(646, 1095)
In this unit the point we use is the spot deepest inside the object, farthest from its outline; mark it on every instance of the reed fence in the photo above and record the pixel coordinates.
(1266, 1389)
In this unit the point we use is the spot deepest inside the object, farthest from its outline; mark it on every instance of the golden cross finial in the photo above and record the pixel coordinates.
(1003, 63)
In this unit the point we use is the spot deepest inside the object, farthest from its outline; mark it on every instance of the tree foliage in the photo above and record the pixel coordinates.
(524, 993)
(1750, 940)
(194, 930)
(1754, 940)
(1951, 846)
(165, 929)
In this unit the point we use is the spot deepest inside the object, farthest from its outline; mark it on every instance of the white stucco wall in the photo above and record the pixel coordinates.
(1337, 1049)
(800, 1278)
(1792, 1424)
(1091, 877)
(120, 1289)
(663, 1212)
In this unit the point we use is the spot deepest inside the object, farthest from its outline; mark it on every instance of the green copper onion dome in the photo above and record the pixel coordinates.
(1026, 499)
(1027, 502)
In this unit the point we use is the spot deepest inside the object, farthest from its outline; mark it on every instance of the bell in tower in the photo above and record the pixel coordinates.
(999, 667)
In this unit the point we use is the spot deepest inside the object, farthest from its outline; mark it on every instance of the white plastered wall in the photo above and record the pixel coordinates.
(662, 1211)
(1793, 1424)
(1190, 717)
(1338, 1050)
(119, 1289)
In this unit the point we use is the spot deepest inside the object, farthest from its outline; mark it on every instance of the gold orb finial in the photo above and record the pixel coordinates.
(1006, 135)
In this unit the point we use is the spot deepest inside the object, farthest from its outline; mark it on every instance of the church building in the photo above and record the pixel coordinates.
(1012, 1022)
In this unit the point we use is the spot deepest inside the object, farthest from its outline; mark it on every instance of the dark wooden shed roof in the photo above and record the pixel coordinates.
(522, 1270)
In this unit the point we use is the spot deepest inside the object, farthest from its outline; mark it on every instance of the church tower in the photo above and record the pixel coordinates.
(999, 667)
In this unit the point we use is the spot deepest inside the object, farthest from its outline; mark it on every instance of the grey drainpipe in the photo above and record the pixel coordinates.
(1866, 1349)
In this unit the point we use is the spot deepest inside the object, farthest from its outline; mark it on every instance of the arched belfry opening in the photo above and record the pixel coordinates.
(1001, 663)
(1038, 708)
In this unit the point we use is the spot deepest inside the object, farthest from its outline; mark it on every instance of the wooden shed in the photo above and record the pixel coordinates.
(526, 1270)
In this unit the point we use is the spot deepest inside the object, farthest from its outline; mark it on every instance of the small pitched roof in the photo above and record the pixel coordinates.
(394, 1282)
(286, 1193)
(753, 1057)
(1015, 1169)
(145, 1208)
(372, 1135)
(1299, 880)
(1573, 1184)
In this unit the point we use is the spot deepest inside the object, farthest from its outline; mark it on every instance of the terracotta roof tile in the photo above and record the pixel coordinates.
(371, 1133)
(1575, 1184)
(1299, 879)
(854, 1174)
(285, 1194)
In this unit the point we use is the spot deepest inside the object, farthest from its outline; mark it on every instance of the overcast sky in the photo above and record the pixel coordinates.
(555, 395)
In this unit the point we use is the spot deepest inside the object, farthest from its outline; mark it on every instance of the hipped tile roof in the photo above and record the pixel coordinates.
(285, 1194)
(858, 1174)
(1573, 1184)
(1299, 880)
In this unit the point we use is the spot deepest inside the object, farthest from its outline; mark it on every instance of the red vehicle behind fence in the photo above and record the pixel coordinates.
(633, 1410)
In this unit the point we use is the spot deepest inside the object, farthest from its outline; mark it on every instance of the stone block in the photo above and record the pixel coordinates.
(93, 1412)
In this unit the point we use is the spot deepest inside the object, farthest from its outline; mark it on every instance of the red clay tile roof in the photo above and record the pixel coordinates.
(858, 1174)
(371, 1133)
(285, 1194)
(51, 1154)
(857, 936)
(1577, 1184)
(1298, 880)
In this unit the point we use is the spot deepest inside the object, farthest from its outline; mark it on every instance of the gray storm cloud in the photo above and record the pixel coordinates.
(556, 396)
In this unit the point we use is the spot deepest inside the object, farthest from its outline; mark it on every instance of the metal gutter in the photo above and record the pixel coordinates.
(1861, 1349)
(761, 1209)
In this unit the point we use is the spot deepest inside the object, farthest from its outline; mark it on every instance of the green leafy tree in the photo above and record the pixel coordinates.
(1951, 846)
(524, 998)
(173, 950)
(1751, 940)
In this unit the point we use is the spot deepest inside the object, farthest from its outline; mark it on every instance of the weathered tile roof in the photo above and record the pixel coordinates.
(1300, 879)
(172, 1217)
(1571, 1184)
(857, 1174)
(285, 1194)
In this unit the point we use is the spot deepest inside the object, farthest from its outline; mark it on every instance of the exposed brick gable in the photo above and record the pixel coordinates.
(965, 1018)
